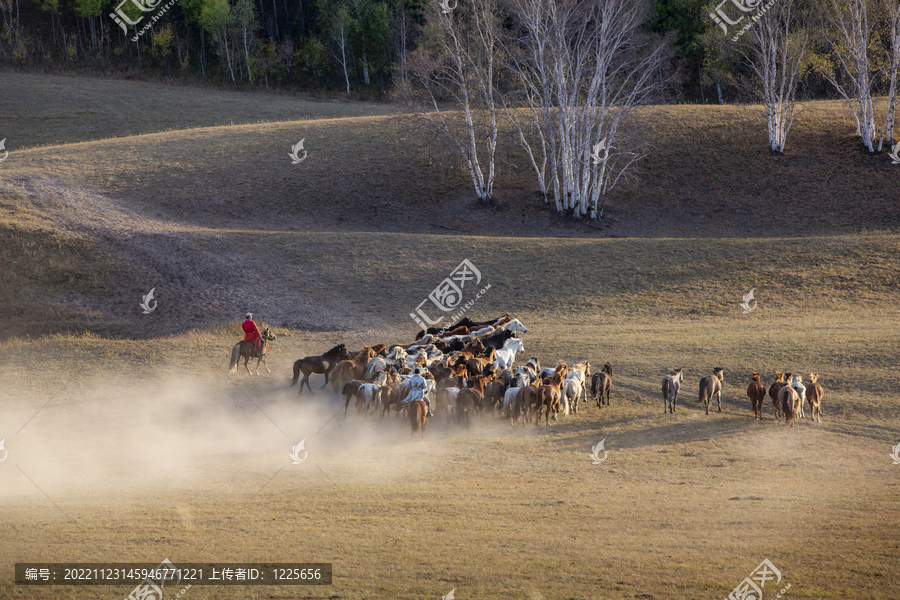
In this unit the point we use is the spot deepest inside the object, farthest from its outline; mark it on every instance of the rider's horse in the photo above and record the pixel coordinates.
(246, 349)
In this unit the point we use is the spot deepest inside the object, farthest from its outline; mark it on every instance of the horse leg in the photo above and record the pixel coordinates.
(258, 360)
(326, 381)
(302, 381)
(719, 399)
(265, 364)
(247, 360)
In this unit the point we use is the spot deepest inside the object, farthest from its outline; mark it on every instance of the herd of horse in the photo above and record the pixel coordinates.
(469, 370)
(787, 396)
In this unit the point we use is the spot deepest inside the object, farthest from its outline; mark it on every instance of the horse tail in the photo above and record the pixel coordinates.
(704, 390)
(296, 372)
(666, 389)
(235, 358)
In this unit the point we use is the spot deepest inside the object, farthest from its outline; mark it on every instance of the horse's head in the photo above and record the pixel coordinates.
(779, 377)
(813, 377)
(679, 373)
(755, 377)
(607, 368)
(719, 372)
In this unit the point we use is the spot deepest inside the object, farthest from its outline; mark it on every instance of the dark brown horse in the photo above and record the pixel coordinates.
(471, 398)
(710, 386)
(602, 383)
(418, 418)
(814, 393)
(757, 393)
(773, 393)
(321, 364)
(246, 349)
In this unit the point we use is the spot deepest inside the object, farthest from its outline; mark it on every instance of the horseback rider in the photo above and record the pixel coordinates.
(418, 391)
(251, 332)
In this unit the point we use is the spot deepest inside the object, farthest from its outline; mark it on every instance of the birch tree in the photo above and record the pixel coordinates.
(847, 67)
(775, 51)
(586, 66)
(891, 11)
(459, 63)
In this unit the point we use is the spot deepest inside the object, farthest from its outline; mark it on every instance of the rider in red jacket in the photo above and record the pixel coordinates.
(251, 331)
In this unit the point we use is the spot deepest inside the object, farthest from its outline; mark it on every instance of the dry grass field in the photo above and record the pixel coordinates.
(128, 440)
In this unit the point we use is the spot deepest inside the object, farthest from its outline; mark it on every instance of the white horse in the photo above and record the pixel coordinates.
(574, 389)
(515, 326)
(507, 354)
(367, 392)
(797, 384)
(483, 332)
(670, 386)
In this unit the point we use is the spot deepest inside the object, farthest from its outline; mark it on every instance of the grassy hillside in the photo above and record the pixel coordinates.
(177, 211)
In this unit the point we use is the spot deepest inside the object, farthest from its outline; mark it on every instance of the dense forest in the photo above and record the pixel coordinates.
(353, 46)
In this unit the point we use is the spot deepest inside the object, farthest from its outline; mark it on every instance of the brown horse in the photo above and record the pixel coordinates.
(471, 398)
(389, 397)
(814, 393)
(602, 383)
(773, 393)
(790, 403)
(525, 399)
(246, 349)
(352, 367)
(548, 398)
(493, 392)
(321, 364)
(349, 391)
(757, 393)
(418, 418)
(710, 386)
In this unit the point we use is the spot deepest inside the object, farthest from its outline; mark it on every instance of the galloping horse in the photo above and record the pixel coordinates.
(814, 393)
(247, 350)
(549, 397)
(351, 367)
(790, 403)
(710, 386)
(773, 393)
(757, 393)
(418, 417)
(602, 383)
(323, 363)
(670, 386)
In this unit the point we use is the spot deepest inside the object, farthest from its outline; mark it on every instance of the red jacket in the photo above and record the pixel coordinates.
(251, 331)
